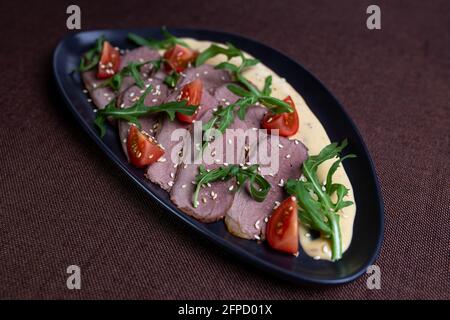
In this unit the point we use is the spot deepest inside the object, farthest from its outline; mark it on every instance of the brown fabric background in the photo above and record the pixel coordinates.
(62, 202)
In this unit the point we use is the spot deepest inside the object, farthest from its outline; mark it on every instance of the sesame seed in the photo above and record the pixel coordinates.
(266, 219)
(204, 199)
(85, 91)
(277, 204)
(281, 184)
(308, 235)
(316, 258)
(172, 175)
(257, 224)
(231, 187)
(132, 94)
(288, 156)
(280, 146)
(89, 100)
(296, 141)
(257, 237)
(170, 183)
(183, 186)
(162, 159)
(325, 249)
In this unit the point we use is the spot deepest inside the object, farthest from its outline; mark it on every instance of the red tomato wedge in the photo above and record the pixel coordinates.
(287, 123)
(192, 92)
(282, 227)
(142, 148)
(109, 63)
(178, 58)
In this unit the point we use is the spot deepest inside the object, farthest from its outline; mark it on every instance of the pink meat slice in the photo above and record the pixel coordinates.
(246, 218)
(102, 96)
(151, 123)
(163, 173)
(215, 199)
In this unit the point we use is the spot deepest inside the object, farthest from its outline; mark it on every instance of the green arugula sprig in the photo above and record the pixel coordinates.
(168, 41)
(137, 110)
(133, 70)
(316, 209)
(248, 89)
(91, 58)
(171, 79)
(248, 93)
(258, 186)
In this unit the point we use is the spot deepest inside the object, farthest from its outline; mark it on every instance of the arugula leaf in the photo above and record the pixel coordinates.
(138, 110)
(267, 90)
(172, 79)
(230, 51)
(247, 92)
(91, 58)
(317, 210)
(133, 70)
(167, 42)
(258, 186)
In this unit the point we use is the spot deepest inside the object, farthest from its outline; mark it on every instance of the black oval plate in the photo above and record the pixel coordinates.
(368, 227)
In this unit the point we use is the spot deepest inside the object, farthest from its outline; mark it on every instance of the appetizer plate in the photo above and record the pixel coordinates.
(368, 226)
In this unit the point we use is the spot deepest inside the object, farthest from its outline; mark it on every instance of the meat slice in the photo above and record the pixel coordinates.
(163, 172)
(102, 96)
(215, 199)
(149, 124)
(246, 217)
(211, 78)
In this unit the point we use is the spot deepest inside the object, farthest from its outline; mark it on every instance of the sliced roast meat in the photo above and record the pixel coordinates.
(102, 96)
(149, 124)
(163, 172)
(211, 78)
(216, 198)
(246, 217)
(138, 55)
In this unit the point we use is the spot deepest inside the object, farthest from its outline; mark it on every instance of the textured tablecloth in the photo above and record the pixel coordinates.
(62, 202)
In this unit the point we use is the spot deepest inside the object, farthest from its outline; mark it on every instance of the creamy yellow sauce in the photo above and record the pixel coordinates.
(313, 136)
